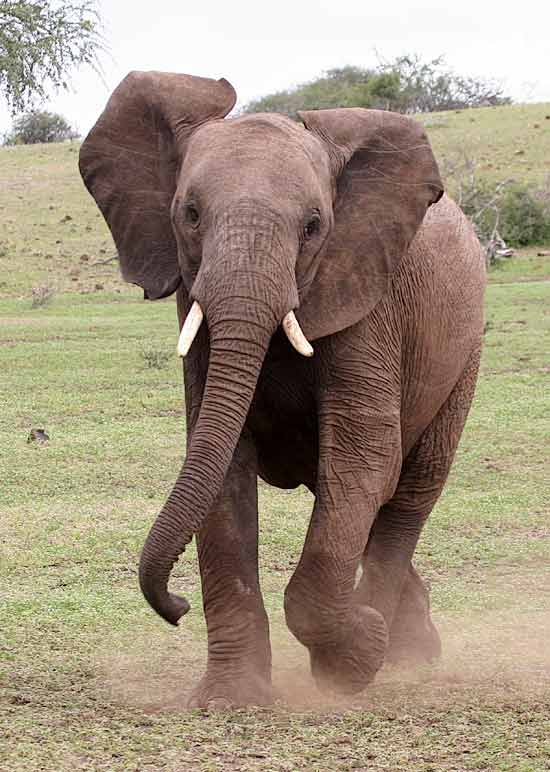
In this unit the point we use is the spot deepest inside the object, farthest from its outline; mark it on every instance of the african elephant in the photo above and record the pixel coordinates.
(275, 235)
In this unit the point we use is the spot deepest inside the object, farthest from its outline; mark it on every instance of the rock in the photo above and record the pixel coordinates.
(99, 286)
(543, 253)
(38, 435)
(84, 258)
(67, 218)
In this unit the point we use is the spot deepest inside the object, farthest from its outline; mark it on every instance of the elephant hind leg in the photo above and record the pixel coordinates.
(389, 583)
(413, 635)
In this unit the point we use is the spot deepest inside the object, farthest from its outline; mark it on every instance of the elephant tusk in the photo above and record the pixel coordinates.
(190, 329)
(296, 336)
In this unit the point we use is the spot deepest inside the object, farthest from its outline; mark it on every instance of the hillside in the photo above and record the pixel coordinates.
(507, 142)
(53, 234)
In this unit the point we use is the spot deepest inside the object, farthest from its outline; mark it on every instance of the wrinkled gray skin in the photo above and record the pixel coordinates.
(342, 219)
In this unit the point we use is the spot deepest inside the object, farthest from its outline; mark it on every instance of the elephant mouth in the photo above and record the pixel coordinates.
(168, 289)
(194, 319)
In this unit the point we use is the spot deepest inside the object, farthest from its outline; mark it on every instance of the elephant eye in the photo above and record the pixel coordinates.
(312, 227)
(192, 215)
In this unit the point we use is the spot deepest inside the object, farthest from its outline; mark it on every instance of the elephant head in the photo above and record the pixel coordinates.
(259, 217)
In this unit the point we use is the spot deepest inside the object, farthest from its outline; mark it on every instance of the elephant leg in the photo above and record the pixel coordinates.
(389, 583)
(239, 654)
(413, 635)
(346, 640)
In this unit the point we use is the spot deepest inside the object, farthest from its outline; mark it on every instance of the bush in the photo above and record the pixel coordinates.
(525, 217)
(406, 85)
(504, 214)
(40, 126)
(507, 214)
(41, 296)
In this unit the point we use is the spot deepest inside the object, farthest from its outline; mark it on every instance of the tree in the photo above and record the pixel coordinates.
(426, 87)
(406, 84)
(340, 87)
(41, 43)
(39, 126)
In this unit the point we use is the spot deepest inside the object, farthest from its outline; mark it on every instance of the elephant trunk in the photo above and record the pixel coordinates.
(242, 316)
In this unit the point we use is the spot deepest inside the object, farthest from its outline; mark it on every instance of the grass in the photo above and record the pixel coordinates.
(511, 142)
(90, 679)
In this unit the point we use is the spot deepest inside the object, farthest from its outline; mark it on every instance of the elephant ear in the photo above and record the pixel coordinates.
(386, 177)
(130, 159)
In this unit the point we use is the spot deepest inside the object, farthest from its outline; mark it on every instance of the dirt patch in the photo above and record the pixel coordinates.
(494, 659)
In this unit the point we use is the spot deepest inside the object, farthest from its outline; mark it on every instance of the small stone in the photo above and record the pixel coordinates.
(38, 435)
(99, 286)
(84, 258)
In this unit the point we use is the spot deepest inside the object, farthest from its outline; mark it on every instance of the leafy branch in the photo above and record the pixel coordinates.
(42, 42)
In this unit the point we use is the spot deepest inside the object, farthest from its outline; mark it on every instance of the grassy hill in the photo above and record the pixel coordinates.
(90, 678)
(511, 142)
(53, 233)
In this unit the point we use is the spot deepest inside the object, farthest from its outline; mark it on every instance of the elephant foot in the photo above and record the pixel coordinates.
(415, 642)
(413, 635)
(221, 691)
(350, 665)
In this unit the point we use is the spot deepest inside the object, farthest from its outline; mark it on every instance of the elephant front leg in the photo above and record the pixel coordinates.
(358, 469)
(239, 654)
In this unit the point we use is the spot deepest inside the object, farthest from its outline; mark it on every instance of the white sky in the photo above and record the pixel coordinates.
(266, 46)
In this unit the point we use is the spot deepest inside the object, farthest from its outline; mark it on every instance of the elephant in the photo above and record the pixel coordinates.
(330, 304)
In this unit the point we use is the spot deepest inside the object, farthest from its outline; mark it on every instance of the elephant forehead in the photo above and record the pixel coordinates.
(270, 143)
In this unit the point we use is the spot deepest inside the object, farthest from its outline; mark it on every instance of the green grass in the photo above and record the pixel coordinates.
(511, 142)
(91, 679)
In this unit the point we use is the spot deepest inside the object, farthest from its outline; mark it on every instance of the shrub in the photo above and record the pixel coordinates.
(41, 296)
(525, 217)
(40, 126)
(504, 214)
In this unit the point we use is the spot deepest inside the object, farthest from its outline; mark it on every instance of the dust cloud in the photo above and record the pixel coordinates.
(491, 658)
